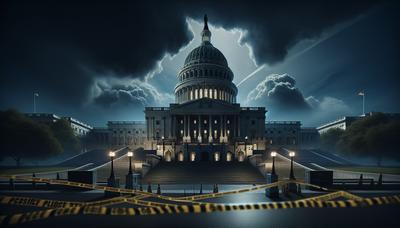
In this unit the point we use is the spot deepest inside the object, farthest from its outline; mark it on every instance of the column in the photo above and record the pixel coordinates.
(238, 125)
(188, 126)
(199, 123)
(184, 126)
(210, 133)
(220, 125)
(147, 127)
(225, 119)
(154, 127)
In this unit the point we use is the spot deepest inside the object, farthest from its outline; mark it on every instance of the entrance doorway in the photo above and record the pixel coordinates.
(204, 156)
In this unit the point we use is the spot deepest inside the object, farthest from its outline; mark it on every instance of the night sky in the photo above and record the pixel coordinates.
(106, 60)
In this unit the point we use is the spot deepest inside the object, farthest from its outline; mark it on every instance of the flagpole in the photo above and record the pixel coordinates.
(34, 102)
(363, 103)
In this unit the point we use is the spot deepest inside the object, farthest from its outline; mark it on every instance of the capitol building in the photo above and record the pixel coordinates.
(205, 123)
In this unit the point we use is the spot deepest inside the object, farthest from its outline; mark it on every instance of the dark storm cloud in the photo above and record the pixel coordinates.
(60, 46)
(279, 92)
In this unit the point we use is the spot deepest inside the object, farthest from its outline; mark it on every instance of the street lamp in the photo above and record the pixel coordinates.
(111, 154)
(273, 155)
(291, 155)
(245, 145)
(162, 138)
(130, 155)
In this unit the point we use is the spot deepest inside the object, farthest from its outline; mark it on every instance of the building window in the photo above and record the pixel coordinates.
(205, 121)
(120, 132)
(215, 121)
(194, 121)
(181, 132)
(181, 121)
(157, 122)
(137, 132)
(253, 122)
(129, 132)
(228, 122)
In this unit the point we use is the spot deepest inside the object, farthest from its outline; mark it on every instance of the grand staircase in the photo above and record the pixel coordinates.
(204, 173)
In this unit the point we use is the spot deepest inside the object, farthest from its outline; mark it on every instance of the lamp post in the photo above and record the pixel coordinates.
(111, 154)
(273, 155)
(129, 180)
(291, 155)
(130, 155)
(245, 145)
(162, 138)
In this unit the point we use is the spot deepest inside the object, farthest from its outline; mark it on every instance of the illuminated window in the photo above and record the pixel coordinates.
(180, 156)
(181, 132)
(181, 121)
(194, 121)
(192, 156)
(205, 131)
(205, 121)
(227, 131)
(228, 122)
(229, 157)
(215, 121)
(216, 156)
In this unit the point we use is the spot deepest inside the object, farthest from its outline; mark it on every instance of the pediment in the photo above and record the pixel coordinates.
(205, 106)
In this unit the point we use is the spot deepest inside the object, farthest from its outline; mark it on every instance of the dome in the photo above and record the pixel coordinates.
(205, 74)
(205, 53)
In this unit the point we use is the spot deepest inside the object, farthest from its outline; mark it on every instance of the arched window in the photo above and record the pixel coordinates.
(195, 94)
(201, 73)
(195, 73)
(206, 72)
(205, 92)
(201, 93)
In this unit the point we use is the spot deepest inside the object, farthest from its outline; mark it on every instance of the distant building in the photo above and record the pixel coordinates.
(344, 122)
(79, 128)
(309, 137)
(282, 133)
(127, 133)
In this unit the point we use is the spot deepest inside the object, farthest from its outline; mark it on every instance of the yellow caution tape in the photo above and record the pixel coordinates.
(186, 209)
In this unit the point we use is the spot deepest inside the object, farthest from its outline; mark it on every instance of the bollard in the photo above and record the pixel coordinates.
(158, 189)
(380, 180)
(272, 192)
(216, 188)
(201, 188)
(299, 189)
(12, 186)
(149, 188)
(58, 176)
(360, 181)
(33, 182)
(141, 188)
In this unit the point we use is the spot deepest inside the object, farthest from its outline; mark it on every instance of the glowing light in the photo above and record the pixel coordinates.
(273, 154)
(111, 154)
(292, 154)
(130, 154)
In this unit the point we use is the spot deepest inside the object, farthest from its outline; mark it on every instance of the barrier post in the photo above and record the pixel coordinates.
(149, 188)
(360, 181)
(380, 179)
(158, 189)
(33, 182)
(201, 189)
(12, 186)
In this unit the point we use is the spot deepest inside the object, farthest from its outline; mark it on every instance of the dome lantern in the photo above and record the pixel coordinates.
(205, 34)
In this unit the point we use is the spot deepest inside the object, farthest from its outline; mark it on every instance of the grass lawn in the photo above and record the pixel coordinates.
(370, 169)
(15, 170)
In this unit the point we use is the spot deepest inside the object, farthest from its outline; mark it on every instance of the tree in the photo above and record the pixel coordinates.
(64, 133)
(330, 138)
(22, 138)
(373, 136)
